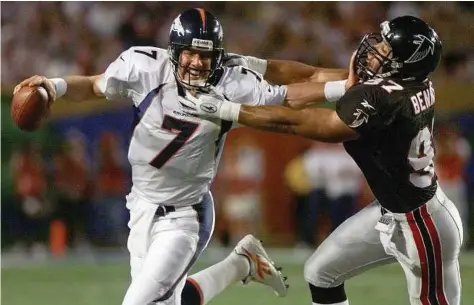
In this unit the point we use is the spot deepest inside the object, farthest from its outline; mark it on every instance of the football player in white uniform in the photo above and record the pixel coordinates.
(174, 156)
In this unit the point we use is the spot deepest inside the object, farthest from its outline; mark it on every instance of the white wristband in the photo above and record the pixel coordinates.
(229, 111)
(257, 64)
(334, 90)
(60, 86)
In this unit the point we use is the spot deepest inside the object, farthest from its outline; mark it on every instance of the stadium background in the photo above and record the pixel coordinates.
(63, 215)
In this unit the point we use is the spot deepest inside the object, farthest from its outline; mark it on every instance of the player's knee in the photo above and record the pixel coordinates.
(145, 289)
(317, 272)
(323, 282)
(313, 273)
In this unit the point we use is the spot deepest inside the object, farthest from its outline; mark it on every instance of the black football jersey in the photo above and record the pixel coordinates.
(395, 149)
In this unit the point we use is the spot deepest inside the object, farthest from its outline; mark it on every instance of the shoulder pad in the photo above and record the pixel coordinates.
(146, 58)
(237, 78)
(241, 74)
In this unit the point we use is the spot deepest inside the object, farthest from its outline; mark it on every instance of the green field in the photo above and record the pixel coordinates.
(89, 284)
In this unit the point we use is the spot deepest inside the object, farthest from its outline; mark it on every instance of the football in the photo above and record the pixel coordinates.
(30, 107)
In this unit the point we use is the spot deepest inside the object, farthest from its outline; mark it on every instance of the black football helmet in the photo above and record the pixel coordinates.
(196, 29)
(415, 50)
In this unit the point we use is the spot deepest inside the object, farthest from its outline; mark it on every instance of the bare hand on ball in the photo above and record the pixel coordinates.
(35, 81)
(31, 103)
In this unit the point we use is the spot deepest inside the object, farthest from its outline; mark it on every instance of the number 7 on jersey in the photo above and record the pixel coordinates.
(184, 130)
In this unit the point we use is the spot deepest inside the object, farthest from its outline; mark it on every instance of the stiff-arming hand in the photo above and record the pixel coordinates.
(210, 106)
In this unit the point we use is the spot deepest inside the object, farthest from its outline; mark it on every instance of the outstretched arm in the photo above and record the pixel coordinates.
(74, 88)
(82, 88)
(301, 95)
(282, 72)
(111, 84)
(362, 111)
(314, 123)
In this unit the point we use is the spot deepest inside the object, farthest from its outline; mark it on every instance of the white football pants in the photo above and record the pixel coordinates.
(163, 249)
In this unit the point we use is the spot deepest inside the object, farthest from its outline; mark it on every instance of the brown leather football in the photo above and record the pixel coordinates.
(30, 107)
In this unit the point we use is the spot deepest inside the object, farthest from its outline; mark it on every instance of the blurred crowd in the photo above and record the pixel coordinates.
(67, 200)
(63, 38)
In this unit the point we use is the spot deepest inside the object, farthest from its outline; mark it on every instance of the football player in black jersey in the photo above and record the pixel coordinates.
(385, 120)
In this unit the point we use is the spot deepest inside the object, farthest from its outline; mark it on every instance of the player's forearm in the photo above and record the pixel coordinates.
(326, 75)
(302, 95)
(284, 72)
(269, 118)
(314, 123)
(81, 88)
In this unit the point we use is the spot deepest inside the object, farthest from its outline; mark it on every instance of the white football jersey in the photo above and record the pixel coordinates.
(174, 156)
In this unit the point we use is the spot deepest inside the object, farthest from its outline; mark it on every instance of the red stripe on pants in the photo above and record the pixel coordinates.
(437, 254)
(420, 246)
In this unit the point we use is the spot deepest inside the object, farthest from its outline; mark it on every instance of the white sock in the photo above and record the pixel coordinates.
(346, 302)
(218, 277)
